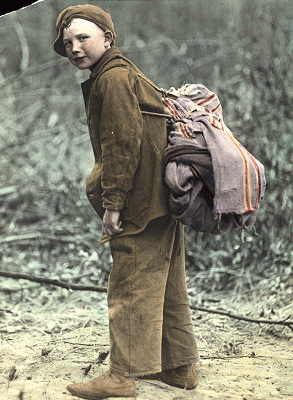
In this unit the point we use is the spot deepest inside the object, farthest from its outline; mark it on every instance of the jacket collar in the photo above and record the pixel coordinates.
(109, 55)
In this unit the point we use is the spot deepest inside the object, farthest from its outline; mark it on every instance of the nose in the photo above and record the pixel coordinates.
(75, 47)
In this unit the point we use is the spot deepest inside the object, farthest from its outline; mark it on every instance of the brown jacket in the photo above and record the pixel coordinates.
(128, 143)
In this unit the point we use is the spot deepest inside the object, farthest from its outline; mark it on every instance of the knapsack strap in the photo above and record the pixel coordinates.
(164, 92)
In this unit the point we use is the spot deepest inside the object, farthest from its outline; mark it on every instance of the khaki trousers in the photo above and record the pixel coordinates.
(149, 315)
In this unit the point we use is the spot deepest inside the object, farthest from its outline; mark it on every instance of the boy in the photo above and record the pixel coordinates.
(151, 333)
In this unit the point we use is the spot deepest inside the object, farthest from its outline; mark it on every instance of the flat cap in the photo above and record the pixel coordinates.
(88, 12)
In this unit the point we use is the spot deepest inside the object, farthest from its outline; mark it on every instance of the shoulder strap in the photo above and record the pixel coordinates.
(164, 92)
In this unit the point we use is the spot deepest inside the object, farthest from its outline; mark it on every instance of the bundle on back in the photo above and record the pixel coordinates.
(215, 183)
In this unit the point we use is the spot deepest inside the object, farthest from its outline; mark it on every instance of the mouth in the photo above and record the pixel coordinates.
(79, 59)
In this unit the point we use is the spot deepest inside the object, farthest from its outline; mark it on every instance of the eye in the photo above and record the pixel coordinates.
(67, 43)
(83, 38)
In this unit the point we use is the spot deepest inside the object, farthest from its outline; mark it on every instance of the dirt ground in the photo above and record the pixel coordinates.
(45, 347)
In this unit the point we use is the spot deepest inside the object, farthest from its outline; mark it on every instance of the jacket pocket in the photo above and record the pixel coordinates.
(94, 189)
(94, 136)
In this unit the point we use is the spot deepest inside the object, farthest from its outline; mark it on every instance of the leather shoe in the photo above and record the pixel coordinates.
(184, 377)
(108, 385)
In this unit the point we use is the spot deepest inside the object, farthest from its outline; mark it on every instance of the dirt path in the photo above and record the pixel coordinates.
(238, 360)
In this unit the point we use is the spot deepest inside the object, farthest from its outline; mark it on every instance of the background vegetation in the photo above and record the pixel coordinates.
(241, 49)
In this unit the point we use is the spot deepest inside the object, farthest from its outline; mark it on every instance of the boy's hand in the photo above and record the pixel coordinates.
(111, 224)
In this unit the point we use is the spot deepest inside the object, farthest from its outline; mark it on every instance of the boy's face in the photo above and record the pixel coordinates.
(85, 43)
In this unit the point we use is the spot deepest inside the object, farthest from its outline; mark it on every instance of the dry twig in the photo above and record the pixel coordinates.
(285, 322)
(12, 373)
(23, 44)
(71, 286)
(54, 238)
(55, 282)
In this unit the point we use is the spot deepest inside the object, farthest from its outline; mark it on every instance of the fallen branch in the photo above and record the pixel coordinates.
(7, 190)
(284, 322)
(55, 238)
(23, 44)
(55, 282)
(72, 286)
(19, 238)
(41, 235)
(34, 69)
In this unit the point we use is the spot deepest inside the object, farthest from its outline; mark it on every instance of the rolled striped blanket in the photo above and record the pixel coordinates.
(215, 183)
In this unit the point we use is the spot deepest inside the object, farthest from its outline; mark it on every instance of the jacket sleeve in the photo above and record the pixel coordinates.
(121, 127)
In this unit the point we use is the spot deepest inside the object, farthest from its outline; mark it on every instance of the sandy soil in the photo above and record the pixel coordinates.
(43, 348)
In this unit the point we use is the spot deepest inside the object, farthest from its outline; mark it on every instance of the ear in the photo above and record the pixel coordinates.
(108, 37)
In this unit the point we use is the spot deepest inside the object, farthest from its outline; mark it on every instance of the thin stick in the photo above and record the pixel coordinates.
(34, 235)
(7, 190)
(43, 236)
(55, 282)
(72, 286)
(23, 44)
(285, 322)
